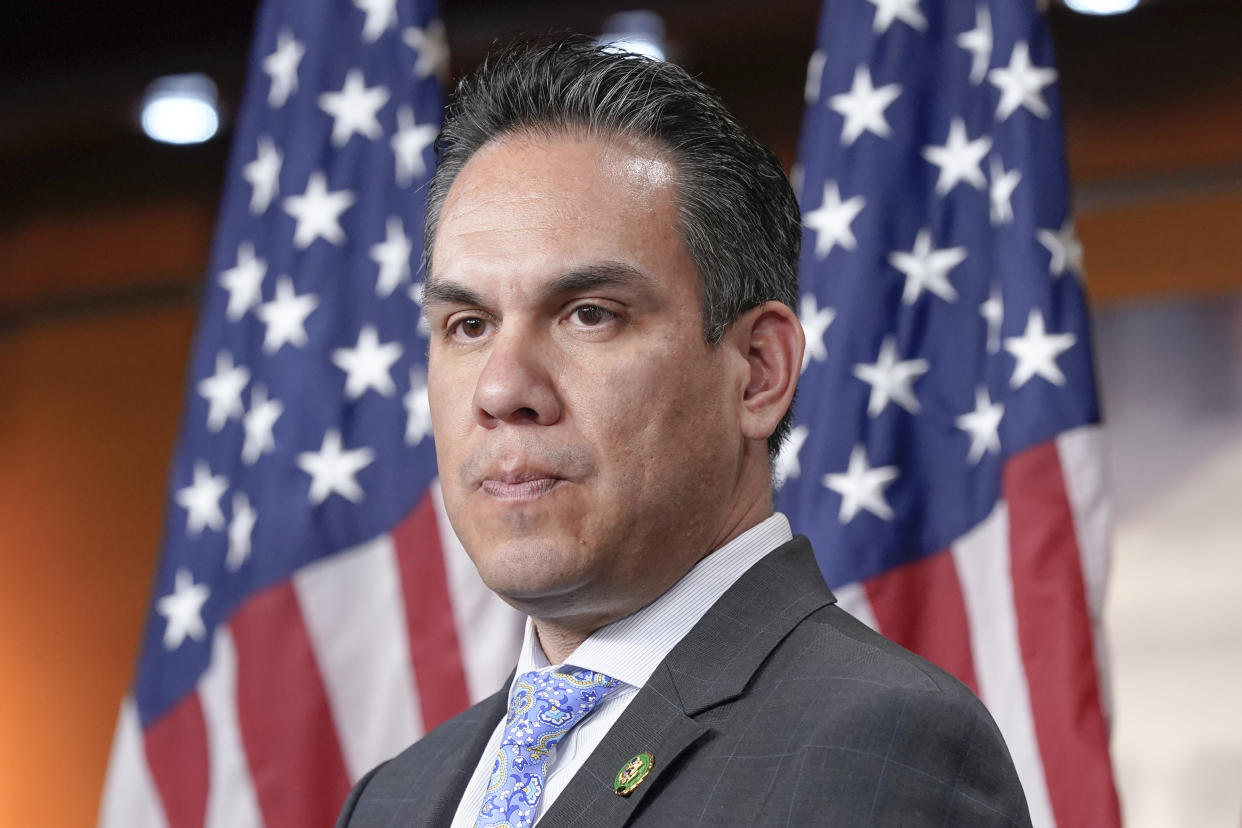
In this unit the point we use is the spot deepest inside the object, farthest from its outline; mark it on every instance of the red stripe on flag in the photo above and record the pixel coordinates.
(1054, 631)
(920, 606)
(434, 649)
(282, 708)
(176, 746)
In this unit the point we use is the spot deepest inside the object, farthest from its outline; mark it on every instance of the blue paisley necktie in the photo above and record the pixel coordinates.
(543, 707)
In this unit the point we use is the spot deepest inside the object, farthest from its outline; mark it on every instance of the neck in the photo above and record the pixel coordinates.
(560, 636)
(559, 642)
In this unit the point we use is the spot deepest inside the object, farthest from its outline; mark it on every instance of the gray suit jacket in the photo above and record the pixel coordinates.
(778, 708)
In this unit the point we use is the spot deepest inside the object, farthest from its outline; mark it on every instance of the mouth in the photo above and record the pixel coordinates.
(520, 485)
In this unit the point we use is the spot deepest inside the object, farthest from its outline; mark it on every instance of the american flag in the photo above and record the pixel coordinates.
(946, 461)
(313, 613)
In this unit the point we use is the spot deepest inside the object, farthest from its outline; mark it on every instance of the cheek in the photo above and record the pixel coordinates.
(656, 406)
(449, 399)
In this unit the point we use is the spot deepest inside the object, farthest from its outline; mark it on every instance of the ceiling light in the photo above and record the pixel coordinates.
(639, 32)
(1101, 6)
(180, 109)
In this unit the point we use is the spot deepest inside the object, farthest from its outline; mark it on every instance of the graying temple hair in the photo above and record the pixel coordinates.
(738, 214)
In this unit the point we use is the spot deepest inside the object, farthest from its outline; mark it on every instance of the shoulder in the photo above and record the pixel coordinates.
(832, 644)
(894, 719)
(859, 678)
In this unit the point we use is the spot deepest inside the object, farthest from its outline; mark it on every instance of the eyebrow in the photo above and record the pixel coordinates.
(588, 277)
(444, 292)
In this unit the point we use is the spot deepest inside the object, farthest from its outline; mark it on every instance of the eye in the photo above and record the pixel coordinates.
(591, 316)
(468, 327)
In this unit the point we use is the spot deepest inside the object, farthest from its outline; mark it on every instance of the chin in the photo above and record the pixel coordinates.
(528, 569)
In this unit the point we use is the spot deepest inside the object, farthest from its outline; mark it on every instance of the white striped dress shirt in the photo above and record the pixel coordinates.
(629, 650)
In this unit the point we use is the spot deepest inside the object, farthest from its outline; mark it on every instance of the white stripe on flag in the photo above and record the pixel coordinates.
(129, 796)
(982, 559)
(355, 617)
(1082, 463)
(853, 599)
(489, 631)
(231, 800)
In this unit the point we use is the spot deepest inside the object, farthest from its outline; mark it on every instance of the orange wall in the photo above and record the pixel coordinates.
(88, 411)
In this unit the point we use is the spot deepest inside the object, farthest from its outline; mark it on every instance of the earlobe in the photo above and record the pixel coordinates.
(774, 357)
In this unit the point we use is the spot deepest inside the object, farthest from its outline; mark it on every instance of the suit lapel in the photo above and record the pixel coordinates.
(711, 665)
(457, 758)
(654, 723)
(718, 658)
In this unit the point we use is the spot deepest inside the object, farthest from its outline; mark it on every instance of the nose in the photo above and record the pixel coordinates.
(516, 385)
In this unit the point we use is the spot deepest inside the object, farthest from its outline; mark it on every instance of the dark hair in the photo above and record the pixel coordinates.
(739, 217)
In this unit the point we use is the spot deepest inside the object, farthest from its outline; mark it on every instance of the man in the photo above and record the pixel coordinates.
(611, 271)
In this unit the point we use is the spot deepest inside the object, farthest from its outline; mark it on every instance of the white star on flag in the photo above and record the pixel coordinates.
(993, 312)
(959, 158)
(832, 219)
(367, 364)
(381, 16)
(1036, 352)
(862, 487)
(978, 41)
(223, 390)
(282, 67)
(927, 268)
(863, 106)
(244, 282)
(258, 423)
(907, 11)
(354, 108)
(431, 47)
(417, 408)
(891, 379)
(1001, 192)
(318, 212)
(409, 143)
(183, 608)
(201, 500)
(787, 463)
(982, 425)
(815, 322)
(241, 528)
(1065, 248)
(285, 316)
(333, 470)
(1021, 84)
(814, 76)
(393, 257)
(263, 174)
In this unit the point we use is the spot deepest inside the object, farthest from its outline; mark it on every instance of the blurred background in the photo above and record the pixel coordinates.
(104, 236)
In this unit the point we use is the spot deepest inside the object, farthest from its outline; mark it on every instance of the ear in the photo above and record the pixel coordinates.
(771, 337)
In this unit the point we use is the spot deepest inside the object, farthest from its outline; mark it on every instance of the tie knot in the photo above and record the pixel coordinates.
(552, 702)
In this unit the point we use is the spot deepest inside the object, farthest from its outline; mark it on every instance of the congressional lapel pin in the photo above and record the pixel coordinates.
(632, 774)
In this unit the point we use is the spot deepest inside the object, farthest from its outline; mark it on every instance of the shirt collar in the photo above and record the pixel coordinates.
(630, 648)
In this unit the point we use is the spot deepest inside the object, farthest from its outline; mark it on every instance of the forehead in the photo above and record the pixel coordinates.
(526, 200)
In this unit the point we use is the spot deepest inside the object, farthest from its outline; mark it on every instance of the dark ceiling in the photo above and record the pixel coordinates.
(75, 70)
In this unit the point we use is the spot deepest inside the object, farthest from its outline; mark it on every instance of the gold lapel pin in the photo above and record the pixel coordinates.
(632, 774)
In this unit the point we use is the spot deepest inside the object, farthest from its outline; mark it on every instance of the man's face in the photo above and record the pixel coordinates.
(588, 437)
